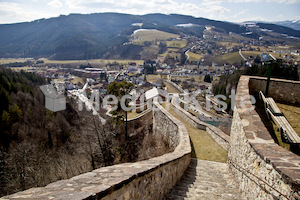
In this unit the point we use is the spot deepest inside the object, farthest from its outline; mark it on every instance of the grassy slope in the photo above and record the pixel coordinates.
(204, 146)
(177, 43)
(194, 56)
(227, 58)
(152, 35)
(170, 88)
(171, 52)
(292, 114)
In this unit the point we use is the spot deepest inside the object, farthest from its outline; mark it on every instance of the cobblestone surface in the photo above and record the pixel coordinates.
(205, 180)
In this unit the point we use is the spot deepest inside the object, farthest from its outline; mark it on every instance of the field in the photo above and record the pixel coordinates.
(177, 43)
(20, 68)
(194, 56)
(197, 78)
(229, 44)
(246, 54)
(151, 35)
(234, 57)
(92, 61)
(234, 38)
(12, 60)
(171, 52)
(152, 78)
(226, 58)
(78, 62)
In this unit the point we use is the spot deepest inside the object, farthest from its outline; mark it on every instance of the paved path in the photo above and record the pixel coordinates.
(240, 52)
(205, 180)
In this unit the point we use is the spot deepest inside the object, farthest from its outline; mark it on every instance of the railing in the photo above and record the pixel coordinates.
(280, 120)
(242, 170)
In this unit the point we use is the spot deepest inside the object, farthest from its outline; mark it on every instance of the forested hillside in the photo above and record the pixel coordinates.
(38, 146)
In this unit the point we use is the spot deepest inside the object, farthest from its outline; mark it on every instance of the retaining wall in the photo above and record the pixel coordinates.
(148, 179)
(254, 158)
(219, 136)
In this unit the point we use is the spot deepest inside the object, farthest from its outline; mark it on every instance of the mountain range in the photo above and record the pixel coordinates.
(102, 35)
(295, 24)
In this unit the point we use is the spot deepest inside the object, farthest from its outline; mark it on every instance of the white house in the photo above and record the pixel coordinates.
(53, 101)
(154, 92)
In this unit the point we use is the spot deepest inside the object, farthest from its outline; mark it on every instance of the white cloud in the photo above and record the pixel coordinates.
(246, 1)
(280, 17)
(213, 9)
(135, 6)
(256, 18)
(13, 12)
(17, 12)
(150, 6)
(55, 3)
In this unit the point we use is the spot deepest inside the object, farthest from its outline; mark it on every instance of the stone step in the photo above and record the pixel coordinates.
(205, 188)
(205, 180)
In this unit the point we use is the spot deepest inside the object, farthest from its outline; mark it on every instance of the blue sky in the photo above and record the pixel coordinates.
(12, 11)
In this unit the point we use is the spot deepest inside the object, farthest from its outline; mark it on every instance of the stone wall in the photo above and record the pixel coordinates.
(219, 136)
(167, 127)
(148, 179)
(280, 89)
(255, 159)
(141, 116)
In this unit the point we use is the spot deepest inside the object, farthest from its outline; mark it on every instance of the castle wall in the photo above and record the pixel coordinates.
(255, 160)
(279, 89)
(148, 179)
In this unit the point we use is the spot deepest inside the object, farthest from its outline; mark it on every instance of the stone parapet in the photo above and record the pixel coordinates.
(263, 169)
(279, 89)
(148, 179)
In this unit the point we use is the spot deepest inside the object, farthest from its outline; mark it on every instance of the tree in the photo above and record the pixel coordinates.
(5, 99)
(162, 47)
(182, 58)
(257, 59)
(148, 67)
(207, 78)
(15, 112)
(119, 90)
(6, 119)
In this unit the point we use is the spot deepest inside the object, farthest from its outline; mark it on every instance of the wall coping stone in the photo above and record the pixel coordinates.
(276, 80)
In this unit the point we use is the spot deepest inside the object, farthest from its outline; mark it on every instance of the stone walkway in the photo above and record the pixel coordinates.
(205, 180)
